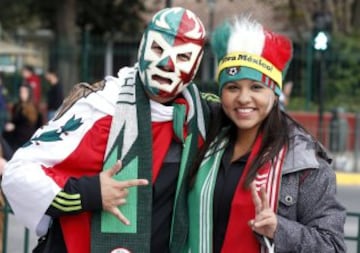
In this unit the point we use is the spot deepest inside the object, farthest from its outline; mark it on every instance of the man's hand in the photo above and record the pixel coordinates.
(114, 192)
(265, 221)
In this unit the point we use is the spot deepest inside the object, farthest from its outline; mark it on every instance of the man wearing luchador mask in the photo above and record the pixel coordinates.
(108, 172)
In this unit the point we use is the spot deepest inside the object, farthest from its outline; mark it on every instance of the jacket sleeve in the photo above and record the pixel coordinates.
(310, 219)
(63, 148)
(78, 195)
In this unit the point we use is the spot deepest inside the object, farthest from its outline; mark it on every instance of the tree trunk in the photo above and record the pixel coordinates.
(347, 25)
(67, 46)
(356, 15)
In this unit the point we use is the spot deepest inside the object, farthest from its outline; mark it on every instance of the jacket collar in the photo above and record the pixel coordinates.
(304, 152)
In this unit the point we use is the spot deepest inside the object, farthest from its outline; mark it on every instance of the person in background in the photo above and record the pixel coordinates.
(25, 119)
(4, 114)
(285, 94)
(33, 80)
(262, 183)
(66, 185)
(55, 93)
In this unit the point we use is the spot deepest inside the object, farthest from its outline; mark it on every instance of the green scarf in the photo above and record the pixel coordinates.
(130, 140)
(239, 236)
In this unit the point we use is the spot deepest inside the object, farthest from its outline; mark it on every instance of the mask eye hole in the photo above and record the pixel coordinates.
(156, 48)
(184, 57)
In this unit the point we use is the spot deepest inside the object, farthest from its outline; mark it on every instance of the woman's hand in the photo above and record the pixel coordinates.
(265, 221)
(114, 193)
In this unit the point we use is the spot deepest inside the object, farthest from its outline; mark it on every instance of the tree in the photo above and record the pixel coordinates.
(356, 12)
(111, 16)
(15, 14)
(66, 42)
(345, 15)
(343, 78)
(68, 19)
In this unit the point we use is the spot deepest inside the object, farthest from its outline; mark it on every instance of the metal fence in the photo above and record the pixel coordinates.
(356, 237)
(5, 211)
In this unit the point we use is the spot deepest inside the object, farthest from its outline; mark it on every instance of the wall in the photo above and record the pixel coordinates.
(310, 121)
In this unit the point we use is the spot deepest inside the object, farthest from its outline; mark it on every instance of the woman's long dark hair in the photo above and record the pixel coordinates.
(275, 129)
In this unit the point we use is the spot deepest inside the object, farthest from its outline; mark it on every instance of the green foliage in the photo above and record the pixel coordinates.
(17, 13)
(111, 15)
(343, 75)
(299, 104)
(102, 16)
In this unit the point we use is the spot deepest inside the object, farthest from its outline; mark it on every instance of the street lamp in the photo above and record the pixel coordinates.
(321, 38)
(168, 3)
(321, 41)
(211, 4)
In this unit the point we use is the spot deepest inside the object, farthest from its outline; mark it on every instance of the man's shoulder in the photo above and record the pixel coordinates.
(211, 97)
(79, 91)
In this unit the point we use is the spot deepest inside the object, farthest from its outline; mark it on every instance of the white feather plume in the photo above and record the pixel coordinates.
(247, 35)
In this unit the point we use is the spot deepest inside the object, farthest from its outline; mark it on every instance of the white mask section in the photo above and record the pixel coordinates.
(169, 63)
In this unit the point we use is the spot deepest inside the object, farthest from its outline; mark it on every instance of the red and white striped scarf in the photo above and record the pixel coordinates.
(239, 237)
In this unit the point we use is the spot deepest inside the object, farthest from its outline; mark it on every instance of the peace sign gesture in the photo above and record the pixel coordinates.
(265, 221)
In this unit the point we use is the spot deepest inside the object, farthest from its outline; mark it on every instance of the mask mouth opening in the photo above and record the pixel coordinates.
(161, 80)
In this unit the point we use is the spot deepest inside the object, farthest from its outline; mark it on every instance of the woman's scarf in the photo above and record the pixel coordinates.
(239, 237)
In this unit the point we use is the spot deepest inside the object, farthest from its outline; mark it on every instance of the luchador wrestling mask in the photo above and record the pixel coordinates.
(170, 51)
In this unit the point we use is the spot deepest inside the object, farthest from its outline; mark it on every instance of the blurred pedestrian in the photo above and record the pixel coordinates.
(55, 93)
(4, 114)
(33, 80)
(25, 118)
(285, 94)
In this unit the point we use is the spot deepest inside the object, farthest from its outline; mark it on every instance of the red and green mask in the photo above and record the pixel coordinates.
(170, 51)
